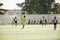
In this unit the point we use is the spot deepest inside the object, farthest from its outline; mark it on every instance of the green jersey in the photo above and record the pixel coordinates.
(43, 20)
(23, 21)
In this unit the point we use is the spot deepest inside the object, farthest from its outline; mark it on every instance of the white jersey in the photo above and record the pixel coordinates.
(15, 19)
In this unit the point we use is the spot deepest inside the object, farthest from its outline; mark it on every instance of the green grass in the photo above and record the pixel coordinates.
(30, 32)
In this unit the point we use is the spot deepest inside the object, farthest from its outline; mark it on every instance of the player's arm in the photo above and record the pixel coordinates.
(21, 20)
(57, 21)
(53, 21)
(45, 20)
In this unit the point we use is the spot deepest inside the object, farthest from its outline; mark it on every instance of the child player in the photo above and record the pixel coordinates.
(55, 21)
(23, 22)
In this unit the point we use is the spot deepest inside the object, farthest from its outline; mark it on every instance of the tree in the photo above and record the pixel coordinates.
(56, 8)
(0, 8)
(37, 6)
(1, 4)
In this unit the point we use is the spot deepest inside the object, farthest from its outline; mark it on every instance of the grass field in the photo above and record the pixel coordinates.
(30, 32)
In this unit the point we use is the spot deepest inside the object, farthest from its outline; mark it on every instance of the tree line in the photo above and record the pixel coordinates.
(40, 6)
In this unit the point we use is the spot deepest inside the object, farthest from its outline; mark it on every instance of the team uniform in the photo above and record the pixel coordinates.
(15, 20)
(43, 21)
(55, 23)
(23, 22)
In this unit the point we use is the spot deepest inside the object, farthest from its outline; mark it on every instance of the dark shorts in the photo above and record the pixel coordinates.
(15, 21)
(55, 23)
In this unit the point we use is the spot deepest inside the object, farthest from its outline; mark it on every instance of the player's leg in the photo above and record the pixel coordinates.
(15, 22)
(54, 26)
(23, 27)
(42, 24)
(45, 24)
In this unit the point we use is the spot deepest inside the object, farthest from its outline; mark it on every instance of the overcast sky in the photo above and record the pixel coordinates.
(57, 1)
(11, 4)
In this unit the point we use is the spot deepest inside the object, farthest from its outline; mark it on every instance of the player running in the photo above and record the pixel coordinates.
(43, 21)
(23, 22)
(55, 21)
(15, 20)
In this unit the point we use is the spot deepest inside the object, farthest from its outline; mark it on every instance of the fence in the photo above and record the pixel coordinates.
(8, 17)
(37, 17)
